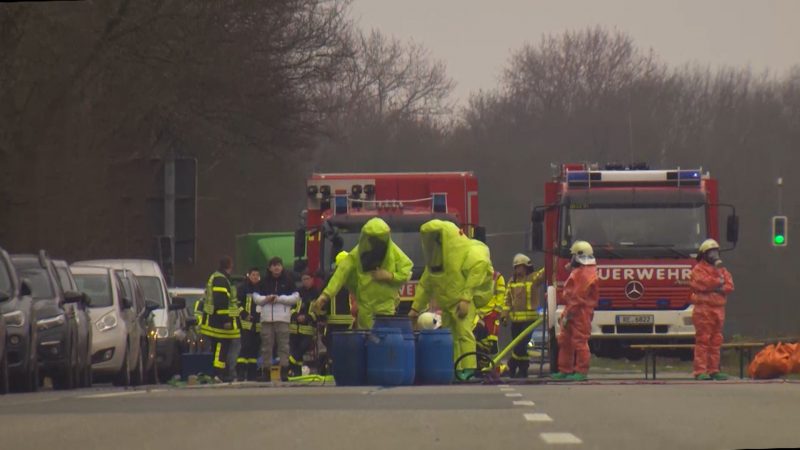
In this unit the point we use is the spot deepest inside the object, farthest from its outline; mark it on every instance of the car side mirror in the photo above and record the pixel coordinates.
(25, 288)
(73, 297)
(87, 300)
(732, 231)
(177, 303)
(151, 305)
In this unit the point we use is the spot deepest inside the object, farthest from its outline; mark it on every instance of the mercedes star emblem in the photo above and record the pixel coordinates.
(634, 290)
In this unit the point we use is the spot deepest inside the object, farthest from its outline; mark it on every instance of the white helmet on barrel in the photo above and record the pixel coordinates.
(428, 321)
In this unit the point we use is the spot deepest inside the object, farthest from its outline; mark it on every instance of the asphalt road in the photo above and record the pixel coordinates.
(607, 414)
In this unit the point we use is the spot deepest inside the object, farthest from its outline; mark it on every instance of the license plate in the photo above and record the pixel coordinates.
(640, 319)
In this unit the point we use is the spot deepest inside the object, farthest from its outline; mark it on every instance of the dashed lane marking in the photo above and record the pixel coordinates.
(560, 438)
(538, 417)
(113, 394)
(513, 394)
(523, 403)
(501, 386)
(507, 390)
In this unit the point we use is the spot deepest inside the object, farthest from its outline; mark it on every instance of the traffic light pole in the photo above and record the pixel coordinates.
(169, 210)
(780, 195)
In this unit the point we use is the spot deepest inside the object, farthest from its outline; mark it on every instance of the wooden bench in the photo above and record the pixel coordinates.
(650, 352)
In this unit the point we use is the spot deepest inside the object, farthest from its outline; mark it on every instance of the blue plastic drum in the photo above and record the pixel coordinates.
(386, 357)
(435, 357)
(349, 357)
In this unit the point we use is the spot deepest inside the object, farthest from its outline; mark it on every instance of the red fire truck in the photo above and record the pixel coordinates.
(645, 226)
(340, 204)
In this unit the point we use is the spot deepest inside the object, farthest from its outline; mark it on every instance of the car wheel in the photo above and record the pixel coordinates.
(137, 377)
(4, 383)
(123, 378)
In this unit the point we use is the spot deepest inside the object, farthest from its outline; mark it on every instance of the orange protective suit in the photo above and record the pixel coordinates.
(581, 293)
(710, 285)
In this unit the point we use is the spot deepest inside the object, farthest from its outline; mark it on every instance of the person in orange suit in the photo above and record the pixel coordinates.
(710, 284)
(581, 293)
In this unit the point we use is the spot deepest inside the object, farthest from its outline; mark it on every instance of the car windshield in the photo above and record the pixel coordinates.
(97, 287)
(5, 280)
(152, 288)
(645, 232)
(39, 282)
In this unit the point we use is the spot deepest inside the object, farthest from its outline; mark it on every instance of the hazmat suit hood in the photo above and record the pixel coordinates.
(373, 244)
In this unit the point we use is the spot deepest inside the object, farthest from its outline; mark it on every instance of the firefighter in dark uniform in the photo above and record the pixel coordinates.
(220, 315)
(335, 316)
(303, 327)
(247, 362)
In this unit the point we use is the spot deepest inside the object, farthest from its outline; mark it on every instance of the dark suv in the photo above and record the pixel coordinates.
(56, 324)
(81, 310)
(20, 326)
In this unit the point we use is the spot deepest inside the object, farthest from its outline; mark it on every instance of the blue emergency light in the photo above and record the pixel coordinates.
(341, 205)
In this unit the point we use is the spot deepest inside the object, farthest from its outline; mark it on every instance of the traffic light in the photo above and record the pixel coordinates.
(780, 226)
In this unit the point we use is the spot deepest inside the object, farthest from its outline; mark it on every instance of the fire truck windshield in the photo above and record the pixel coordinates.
(626, 232)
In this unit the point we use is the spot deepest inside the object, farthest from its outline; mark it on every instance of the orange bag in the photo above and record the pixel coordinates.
(795, 360)
(772, 362)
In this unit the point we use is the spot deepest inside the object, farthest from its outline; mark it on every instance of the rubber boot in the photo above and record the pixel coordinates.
(702, 377)
(284, 373)
(522, 371)
(719, 376)
(264, 375)
(512, 368)
(240, 372)
(559, 376)
(251, 372)
(577, 376)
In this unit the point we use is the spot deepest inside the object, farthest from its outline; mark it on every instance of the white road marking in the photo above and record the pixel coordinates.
(513, 394)
(501, 386)
(538, 417)
(560, 438)
(507, 390)
(113, 394)
(523, 403)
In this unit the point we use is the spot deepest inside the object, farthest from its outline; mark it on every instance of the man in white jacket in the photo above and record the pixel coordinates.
(276, 296)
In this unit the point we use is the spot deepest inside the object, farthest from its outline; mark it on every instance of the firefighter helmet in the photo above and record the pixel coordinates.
(708, 244)
(521, 260)
(583, 252)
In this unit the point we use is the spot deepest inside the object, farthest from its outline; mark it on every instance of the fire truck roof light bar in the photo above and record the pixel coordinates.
(583, 177)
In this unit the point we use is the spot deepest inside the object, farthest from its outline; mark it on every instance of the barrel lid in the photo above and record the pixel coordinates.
(387, 331)
(436, 331)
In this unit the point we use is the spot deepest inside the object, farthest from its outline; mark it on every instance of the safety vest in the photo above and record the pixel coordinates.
(523, 297)
(340, 309)
(221, 323)
(248, 309)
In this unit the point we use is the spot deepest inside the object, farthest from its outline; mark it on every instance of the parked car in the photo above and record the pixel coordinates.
(119, 343)
(171, 327)
(56, 324)
(5, 296)
(20, 326)
(192, 296)
(81, 311)
(132, 290)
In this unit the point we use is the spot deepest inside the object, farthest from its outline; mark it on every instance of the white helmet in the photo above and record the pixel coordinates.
(583, 253)
(428, 321)
(521, 260)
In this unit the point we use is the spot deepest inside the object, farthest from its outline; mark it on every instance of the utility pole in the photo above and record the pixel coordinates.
(169, 215)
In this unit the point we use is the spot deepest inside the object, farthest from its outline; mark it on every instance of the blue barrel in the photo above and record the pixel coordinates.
(349, 358)
(435, 357)
(410, 365)
(401, 322)
(386, 357)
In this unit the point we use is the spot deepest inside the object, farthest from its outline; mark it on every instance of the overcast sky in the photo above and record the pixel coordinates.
(476, 37)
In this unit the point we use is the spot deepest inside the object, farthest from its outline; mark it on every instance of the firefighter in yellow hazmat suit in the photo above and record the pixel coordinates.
(458, 275)
(377, 268)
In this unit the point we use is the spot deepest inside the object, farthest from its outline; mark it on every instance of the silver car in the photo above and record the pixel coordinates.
(119, 341)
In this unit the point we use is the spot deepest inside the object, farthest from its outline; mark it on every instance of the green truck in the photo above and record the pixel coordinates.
(256, 249)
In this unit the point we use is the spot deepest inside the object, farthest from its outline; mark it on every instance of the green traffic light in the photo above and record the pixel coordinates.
(779, 239)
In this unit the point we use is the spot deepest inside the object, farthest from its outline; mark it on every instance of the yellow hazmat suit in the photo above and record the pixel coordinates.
(458, 275)
(374, 270)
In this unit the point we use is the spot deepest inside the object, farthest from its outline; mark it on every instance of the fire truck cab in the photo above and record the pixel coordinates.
(645, 227)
